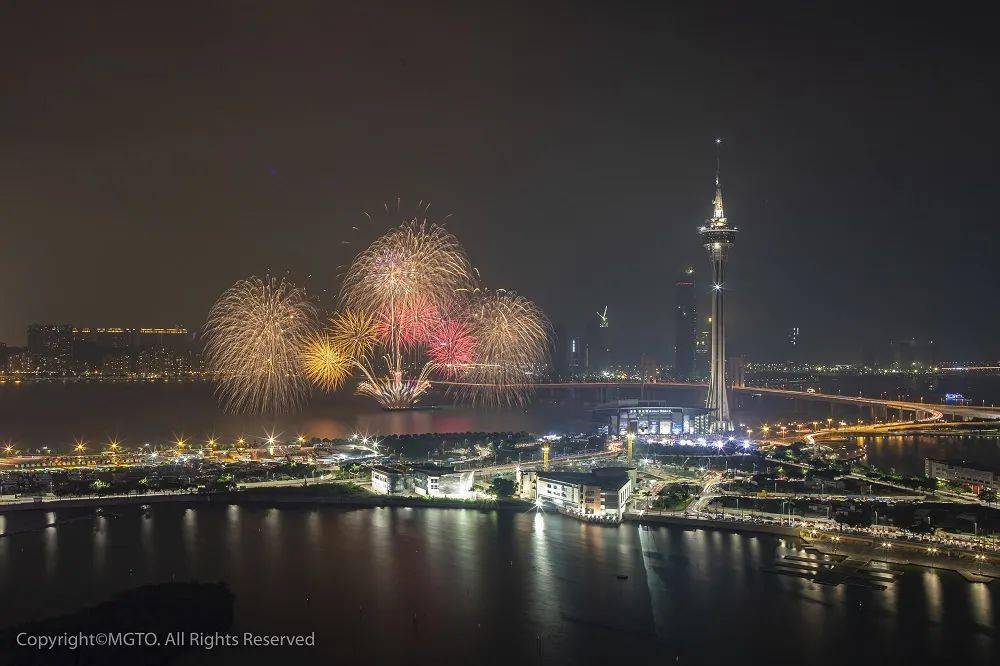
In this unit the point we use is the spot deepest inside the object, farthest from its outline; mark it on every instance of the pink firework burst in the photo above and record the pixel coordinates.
(414, 322)
(452, 346)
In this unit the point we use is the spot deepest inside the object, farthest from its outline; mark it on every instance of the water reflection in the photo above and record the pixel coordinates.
(51, 540)
(932, 595)
(153, 412)
(392, 583)
(189, 533)
(234, 535)
(981, 603)
(147, 538)
(100, 545)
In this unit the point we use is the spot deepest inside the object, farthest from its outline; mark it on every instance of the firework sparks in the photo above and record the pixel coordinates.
(413, 323)
(255, 334)
(355, 333)
(452, 347)
(414, 264)
(404, 280)
(325, 363)
(511, 336)
(394, 390)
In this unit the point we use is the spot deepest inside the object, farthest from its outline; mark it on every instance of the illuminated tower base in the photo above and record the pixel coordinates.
(630, 450)
(545, 457)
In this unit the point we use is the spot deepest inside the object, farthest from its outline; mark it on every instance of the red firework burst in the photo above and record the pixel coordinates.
(452, 346)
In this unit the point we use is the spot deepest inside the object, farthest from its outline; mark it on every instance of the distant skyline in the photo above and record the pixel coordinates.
(153, 155)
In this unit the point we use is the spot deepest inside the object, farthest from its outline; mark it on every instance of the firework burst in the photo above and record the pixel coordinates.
(511, 335)
(404, 280)
(325, 363)
(452, 347)
(355, 333)
(415, 264)
(255, 334)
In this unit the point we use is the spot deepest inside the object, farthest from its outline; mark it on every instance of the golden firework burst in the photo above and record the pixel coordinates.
(325, 363)
(512, 346)
(354, 333)
(255, 333)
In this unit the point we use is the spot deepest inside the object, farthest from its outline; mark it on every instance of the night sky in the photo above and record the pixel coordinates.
(152, 155)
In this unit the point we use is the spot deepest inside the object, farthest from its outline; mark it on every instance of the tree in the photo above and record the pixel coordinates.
(503, 487)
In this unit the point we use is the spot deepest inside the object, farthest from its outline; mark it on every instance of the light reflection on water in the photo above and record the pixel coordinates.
(468, 582)
(906, 453)
(55, 414)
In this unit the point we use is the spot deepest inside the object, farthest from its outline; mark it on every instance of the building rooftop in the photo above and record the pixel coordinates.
(432, 470)
(955, 462)
(388, 469)
(607, 478)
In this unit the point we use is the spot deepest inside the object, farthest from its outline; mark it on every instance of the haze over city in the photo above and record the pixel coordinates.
(154, 155)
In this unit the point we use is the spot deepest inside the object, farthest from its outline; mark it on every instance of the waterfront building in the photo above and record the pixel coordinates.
(685, 326)
(600, 493)
(717, 237)
(653, 417)
(959, 471)
(388, 480)
(433, 481)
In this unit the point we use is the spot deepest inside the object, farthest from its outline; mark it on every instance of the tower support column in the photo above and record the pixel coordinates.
(717, 236)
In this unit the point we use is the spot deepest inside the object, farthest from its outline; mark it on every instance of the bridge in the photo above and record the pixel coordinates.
(918, 411)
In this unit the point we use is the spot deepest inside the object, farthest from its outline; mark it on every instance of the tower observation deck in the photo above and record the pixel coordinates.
(717, 236)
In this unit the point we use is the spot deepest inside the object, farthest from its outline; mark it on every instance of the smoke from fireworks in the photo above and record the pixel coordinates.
(255, 333)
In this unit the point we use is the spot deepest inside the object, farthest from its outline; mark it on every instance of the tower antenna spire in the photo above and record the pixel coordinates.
(718, 212)
(718, 159)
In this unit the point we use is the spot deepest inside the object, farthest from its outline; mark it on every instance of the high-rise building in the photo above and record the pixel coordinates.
(685, 326)
(793, 344)
(576, 355)
(703, 351)
(717, 236)
(118, 351)
(50, 347)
